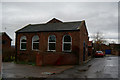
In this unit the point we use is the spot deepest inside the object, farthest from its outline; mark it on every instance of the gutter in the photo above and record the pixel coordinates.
(48, 31)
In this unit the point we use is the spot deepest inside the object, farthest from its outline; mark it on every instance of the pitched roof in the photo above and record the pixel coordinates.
(54, 20)
(52, 25)
(4, 33)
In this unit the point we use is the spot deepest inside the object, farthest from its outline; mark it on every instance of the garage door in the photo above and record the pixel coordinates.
(107, 51)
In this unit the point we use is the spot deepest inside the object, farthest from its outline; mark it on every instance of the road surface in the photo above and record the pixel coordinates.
(106, 67)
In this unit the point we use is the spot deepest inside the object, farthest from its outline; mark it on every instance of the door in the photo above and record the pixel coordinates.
(84, 51)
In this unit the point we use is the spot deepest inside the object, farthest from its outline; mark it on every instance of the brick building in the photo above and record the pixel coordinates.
(6, 40)
(53, 43)
(90, 49)
(115, 49)
(7, 50)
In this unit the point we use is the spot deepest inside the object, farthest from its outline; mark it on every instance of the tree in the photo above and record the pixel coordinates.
(98, 39)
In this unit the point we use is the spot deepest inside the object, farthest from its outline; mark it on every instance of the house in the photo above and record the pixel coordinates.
(7, 50)
(6, 40)
(90, 49)
(115, 49)
(0, 43)
(102, 47)
(53, 43)
(106, 49)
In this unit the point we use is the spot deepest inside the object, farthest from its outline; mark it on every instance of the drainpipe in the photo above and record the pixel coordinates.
(16, 48)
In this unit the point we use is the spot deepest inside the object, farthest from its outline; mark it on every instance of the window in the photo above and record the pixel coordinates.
(23, 41)
(4, 41)
(35, 42)
(67, 42)
(51, 43)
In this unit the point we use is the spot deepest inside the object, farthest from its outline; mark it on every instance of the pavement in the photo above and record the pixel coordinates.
(12, 70)
(106, 67)
(0, 63)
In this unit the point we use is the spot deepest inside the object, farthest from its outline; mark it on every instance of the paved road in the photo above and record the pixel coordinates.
(12, 70)
(0, 63)
(106, 67)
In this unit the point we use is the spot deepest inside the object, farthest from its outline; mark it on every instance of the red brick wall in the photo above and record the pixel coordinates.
(83, 37)
(8, 41)
(90, 50)
(44, 40)
(50, 58)
(58, 58)
(7, 50)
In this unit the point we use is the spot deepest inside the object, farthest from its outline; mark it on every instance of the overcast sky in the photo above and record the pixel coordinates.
(99, 16)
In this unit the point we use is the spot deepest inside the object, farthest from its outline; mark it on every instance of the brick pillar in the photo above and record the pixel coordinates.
(39, 59)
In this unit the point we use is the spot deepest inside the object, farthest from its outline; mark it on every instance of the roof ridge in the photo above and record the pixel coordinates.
(72, 22)
(56, 23)
(71, 25)
(38, 24)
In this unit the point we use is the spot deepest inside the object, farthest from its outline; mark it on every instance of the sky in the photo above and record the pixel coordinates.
(99, 16)
(59, 0)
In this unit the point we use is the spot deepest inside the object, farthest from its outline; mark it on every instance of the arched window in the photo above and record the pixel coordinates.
(35, 42)
(67, 42)
(51, 43)
(23, 42)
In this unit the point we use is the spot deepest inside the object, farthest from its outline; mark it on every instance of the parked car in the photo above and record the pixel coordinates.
(99, 54)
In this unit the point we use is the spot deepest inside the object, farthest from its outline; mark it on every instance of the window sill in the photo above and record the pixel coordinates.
(23, 49)
(51, 51)
(35, 50)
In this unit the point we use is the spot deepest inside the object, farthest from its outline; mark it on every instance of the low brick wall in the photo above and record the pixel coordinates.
(115, 52)
(48, 58)
(26, 56)
(7, 54)
(51, 58)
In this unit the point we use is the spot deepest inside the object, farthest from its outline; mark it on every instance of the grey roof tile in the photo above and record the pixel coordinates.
(64, 26)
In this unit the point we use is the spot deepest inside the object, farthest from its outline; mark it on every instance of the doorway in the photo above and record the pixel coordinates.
(84, 51)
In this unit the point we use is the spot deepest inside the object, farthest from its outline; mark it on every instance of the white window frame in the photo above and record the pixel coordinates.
(52, 42)
(66, 43)
(34, 42)
(23, 42)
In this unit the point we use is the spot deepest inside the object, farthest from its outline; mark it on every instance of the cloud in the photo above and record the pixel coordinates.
(99, 16)
(0, 17)
(60, 0)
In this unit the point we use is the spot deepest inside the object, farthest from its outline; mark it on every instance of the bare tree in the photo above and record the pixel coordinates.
(98, 39)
